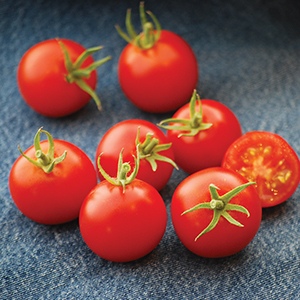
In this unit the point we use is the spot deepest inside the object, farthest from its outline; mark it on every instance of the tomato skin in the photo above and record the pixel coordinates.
(159, 79)
(56, 197)
(41, 79)
(123, 135)
(207, 148)
(119, 226)
(225, 239)
(257, 155)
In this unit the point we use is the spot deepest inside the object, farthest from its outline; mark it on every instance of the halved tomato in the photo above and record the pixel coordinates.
(267, 159)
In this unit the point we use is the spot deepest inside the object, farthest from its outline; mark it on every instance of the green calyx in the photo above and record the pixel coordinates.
(220, 205)
(148, 37)
(76, 73)
(192, 126)
(123, 169)
(149, 150)
(46, 161)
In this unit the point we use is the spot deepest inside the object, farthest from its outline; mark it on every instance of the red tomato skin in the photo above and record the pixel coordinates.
(207, 148)
(56, 197)
(225, 239)
(123, 135)
(159, 79)
(122, 227)
(41, 79)
(233, 160)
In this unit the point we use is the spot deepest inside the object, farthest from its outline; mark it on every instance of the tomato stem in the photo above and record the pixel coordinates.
(122, 178)
(149, 150)
(76, 73)
(220, 206)
(45, 161)
(148, 37)
(189, 127)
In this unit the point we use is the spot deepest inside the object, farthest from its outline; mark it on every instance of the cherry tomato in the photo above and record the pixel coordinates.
(201, 132)
(46, 84)
(158, 76)
(51, 193)
(156, 165)
(123, 220)
(208, 195)
(267, 159)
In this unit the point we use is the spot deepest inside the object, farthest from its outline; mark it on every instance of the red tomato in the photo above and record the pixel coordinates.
(159, 79)
(42, 80)
(225, 238)
(270, 161)
(123, 135)
(158, 70)
(56, 197)
(206, 148)
(123, 219)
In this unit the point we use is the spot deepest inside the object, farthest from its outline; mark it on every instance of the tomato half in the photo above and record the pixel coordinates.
(267, 159)
(123, 135)
(42, 79)
(207, 148)
(159, 79)
(225, 238)
(55, 197)
(123, 226)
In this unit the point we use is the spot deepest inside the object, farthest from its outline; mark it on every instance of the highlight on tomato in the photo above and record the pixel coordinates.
(155, 151)
(267, 159)
(157, 70)
(216, 212)
(50, 180)
(123, 218)
(57, 77)
(200, 133)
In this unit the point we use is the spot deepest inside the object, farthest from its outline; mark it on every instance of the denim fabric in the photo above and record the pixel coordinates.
(249, 59)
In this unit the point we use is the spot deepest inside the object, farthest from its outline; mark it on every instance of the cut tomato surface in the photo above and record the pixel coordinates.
(267, 159)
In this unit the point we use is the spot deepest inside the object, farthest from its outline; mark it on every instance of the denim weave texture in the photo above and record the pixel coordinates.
(249, 59)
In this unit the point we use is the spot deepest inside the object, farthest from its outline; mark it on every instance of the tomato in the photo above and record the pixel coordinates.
(158, 76)
(123, 220)
(53, 193)
(46, 84)
(267, 159)
(201, 132)
(201, 198)
(154, 149)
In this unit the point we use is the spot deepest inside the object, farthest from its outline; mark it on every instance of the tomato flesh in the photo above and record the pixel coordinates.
(268, 160)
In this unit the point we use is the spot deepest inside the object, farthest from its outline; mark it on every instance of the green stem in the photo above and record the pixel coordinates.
(76, 73)
(191, 126)
(122, 178)
(220, 206)
(149, 150)
(45, 161)
(148, 37)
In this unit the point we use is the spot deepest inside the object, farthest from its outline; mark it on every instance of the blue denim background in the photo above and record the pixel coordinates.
(248, 54)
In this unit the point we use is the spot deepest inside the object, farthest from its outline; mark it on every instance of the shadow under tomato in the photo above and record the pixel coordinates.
(275, 211)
